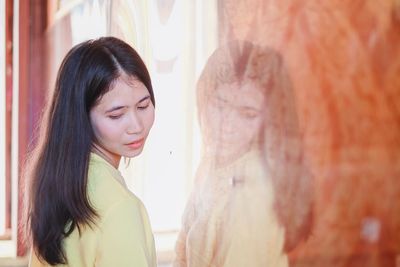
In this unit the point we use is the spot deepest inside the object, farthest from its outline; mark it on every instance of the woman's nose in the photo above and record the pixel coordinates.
(135, 124)
(229, 122)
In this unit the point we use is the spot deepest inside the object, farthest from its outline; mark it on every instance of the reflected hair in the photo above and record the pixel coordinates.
(57, 168)
(280, 141)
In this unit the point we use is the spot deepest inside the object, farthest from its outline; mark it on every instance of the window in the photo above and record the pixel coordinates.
(2, 118)
(174, 38)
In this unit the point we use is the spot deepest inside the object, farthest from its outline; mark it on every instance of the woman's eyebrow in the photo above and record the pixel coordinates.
(144, 99)
(121, 107)
(248, 106)
(221, 98)
(115, 108)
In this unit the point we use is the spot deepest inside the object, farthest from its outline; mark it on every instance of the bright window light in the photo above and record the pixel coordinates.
(88, 21)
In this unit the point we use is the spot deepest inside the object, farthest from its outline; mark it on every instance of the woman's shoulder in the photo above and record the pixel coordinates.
(106, 187)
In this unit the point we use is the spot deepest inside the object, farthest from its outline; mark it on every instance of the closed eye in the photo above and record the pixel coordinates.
(144, 103)
(143, 107)
(249, 112)
(115, 117)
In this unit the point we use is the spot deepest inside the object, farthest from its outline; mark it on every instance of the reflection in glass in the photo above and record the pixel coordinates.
(245, 209)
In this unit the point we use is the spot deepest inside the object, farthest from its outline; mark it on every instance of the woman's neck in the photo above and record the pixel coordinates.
(110, 158)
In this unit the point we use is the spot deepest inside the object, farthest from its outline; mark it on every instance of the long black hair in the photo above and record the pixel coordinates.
(58, 167)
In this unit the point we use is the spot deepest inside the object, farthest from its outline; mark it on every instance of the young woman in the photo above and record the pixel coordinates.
(79, 210)
(251, 203)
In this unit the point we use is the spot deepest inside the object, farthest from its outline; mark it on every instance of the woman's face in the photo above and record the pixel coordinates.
(232, 119)
(122, 119)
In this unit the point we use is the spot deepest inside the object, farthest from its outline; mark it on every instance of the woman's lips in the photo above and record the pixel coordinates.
(136, 144)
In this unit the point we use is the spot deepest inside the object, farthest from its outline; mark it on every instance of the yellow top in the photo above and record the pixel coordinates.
(229, 220)
(122, 235)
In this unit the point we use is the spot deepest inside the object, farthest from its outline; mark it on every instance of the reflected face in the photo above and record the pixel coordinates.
(122, 120)
(233, 119)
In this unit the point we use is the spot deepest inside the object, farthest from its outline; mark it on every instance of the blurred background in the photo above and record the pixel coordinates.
(343, 59)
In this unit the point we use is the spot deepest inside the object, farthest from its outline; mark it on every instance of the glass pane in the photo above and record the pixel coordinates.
(299, 115)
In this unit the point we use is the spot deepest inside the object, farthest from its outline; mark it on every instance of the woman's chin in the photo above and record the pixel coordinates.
(133, 154)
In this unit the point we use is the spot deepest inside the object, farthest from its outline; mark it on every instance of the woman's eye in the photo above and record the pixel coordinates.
(114, 117)
(249, 113)
(143, 107)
